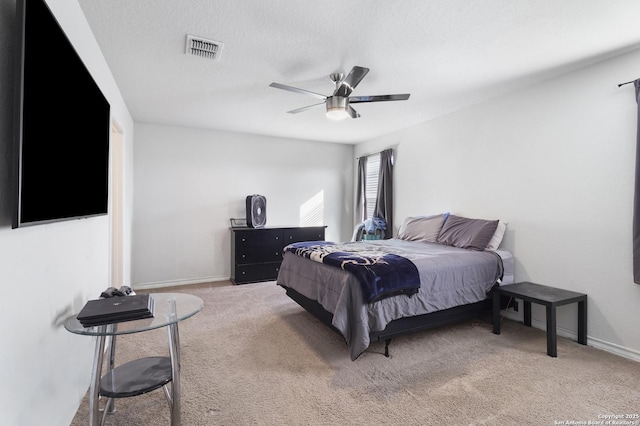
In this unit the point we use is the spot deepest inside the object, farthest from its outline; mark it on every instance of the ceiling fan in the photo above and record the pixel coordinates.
(339, 104)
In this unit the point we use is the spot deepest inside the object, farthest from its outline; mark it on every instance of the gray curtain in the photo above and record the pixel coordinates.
(636, 197)
(361, 191)
(384, 201)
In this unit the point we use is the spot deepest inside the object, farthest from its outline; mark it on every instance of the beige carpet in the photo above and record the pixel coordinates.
(252, 356)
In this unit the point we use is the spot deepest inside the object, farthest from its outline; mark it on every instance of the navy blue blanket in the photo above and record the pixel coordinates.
(380, 274)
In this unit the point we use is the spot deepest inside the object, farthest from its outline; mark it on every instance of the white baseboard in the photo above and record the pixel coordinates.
(173, 283)
(572, 334)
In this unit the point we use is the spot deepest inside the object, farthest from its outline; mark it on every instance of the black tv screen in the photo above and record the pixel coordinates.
(62, 126)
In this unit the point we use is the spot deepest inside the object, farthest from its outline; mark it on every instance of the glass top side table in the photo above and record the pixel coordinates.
(128, 379)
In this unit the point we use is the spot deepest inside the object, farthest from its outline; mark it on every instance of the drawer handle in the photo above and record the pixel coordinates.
(244, 255)
(244, 239)
(243, 272)
(277, 253)
(277, 238)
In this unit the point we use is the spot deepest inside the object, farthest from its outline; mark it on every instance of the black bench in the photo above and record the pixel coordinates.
(550, 297)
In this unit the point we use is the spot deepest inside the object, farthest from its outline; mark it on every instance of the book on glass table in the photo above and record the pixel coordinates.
(116, 309)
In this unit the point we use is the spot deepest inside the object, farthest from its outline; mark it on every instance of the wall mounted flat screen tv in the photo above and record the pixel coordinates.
(62, 126)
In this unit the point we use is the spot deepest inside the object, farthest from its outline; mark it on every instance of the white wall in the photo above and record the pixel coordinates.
(556, 161)
(47, 272)
(190, 182)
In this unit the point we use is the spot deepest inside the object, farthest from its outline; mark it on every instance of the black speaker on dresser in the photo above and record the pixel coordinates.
(256, 211)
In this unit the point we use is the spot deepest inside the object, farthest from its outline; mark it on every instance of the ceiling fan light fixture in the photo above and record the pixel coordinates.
(337, 108)
(337, 113)
(339, 104)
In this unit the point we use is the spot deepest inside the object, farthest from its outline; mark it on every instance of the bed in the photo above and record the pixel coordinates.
(457, 262)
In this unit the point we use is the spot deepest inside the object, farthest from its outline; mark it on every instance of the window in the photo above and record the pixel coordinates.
(372, 173)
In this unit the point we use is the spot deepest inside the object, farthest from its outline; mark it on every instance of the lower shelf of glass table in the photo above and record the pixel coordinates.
(136, 377)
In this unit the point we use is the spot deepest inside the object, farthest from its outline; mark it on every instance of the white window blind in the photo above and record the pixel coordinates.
(372, 172)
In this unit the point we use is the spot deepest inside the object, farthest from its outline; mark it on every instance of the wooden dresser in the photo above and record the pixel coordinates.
(256, 253)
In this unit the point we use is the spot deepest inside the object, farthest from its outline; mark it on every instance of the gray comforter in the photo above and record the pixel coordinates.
(449, 277)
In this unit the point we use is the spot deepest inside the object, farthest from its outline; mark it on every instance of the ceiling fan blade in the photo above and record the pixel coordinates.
(378, 98)
(297, 90)
(295, 111)
(352, 112)
(351, 81)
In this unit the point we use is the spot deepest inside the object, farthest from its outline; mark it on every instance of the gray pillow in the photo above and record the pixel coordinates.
(421, 228)
(467, 233)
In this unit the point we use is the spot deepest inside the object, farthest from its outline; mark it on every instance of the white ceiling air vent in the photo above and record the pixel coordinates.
(197, 46)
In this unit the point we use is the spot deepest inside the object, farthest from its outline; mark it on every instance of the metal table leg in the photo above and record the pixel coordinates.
(94, 402)
(111, 408)
(174, 351)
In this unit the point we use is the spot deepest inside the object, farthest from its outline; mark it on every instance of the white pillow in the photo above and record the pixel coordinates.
(495, 241)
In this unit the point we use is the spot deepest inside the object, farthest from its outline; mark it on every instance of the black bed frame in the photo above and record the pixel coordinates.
(405, 325)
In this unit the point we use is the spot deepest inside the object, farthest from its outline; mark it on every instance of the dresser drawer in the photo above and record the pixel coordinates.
(256, 272)
(311, 233)
(263, 237)
(258, 254)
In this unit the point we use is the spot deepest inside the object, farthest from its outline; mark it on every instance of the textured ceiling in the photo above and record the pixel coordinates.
(447, 53)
